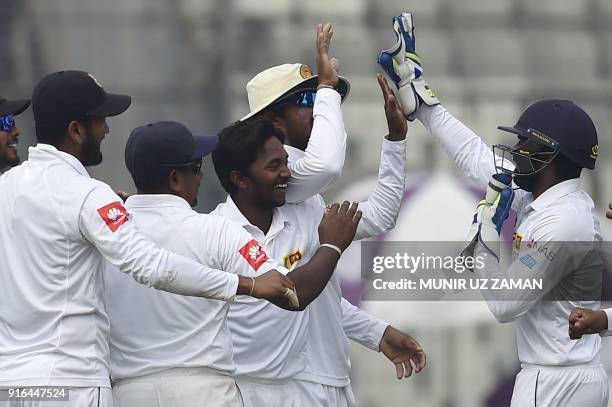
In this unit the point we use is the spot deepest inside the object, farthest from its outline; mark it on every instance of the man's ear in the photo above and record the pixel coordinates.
(175, 181)
(76, 132)
(239, 180)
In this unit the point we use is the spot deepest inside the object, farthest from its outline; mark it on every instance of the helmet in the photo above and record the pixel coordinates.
(550, 127)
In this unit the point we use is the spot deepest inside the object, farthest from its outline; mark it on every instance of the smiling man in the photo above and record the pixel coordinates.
(158, 339)
(289, 359)
(9, 133)
(58, 227)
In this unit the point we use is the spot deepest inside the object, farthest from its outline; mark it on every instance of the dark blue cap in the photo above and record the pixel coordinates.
(154, 148)
(564, 122)
(69, 95)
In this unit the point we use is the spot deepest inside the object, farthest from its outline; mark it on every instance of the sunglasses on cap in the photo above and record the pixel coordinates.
(196, 166)
(301, 99)
(7, 122)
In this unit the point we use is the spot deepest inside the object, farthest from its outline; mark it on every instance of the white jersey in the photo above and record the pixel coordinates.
(563, 213)
(58, 225)
(321, 164)
(298, 345)
(269, 342)
(153, 330)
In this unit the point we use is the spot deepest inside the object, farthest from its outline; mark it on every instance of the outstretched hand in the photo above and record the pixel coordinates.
(396, 121)
(327, 68)
(401, 349)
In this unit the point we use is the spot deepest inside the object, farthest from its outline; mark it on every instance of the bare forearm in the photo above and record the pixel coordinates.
(312, 277)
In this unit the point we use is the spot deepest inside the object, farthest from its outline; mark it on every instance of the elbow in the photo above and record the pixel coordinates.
(388, 222)
(334, 170)
(331, 171)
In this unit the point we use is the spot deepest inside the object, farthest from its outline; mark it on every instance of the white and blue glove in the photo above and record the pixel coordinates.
(491, 213)
(403, 66)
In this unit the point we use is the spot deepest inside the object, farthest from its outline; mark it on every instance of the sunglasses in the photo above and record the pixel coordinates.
(7, 122)
(196, 166)
(302, 99)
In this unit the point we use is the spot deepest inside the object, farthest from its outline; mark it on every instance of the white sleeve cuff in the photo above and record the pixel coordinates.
(608, 332)
(326, 94)
(389, 145)
(232, 288)
(378, 332)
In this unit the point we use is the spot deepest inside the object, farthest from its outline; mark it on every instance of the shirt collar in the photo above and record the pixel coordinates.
(43, 152)
(554, 193)
(294, 153)
(231, 211)
(156, 200)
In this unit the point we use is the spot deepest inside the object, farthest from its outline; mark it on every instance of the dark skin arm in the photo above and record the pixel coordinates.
(337, 227)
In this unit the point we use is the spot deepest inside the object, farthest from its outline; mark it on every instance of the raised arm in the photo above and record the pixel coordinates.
(404, 66)
(381, 209)
(323, 160)
(473, 157)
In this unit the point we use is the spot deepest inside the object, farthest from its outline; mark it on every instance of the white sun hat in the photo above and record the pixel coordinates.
(277, 83)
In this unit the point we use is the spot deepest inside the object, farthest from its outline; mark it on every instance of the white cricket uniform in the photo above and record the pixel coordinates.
(272, 346)
(155, 335)
(58, 225)
(555, 370)
(321, 164)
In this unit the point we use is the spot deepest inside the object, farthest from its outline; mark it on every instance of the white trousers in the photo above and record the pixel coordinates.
(563, 386)
(78, 397)
(265, 393)
(320, 395)
(198, 386)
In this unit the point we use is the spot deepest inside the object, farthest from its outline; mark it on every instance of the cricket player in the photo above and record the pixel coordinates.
(58, 227)
(159, 339)
(556, 140)
(9, 133)
(287, 359)
(314, 132)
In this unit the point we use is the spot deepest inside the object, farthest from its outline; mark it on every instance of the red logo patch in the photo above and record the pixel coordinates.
(114, 215)
(254, 254)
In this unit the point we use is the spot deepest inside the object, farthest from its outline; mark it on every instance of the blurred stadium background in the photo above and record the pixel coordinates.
(189, 60)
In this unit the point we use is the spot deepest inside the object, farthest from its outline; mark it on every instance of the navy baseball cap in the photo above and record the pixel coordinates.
(563, 122)
(68, 95)
(13, 107)
(154, 148)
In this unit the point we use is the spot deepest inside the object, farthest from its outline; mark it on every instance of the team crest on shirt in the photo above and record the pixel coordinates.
(254, 254)
(517, 238)
(114, 215)
(292, 258)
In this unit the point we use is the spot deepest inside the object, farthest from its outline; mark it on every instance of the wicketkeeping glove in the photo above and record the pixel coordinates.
(491, 213)
(403, 66)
